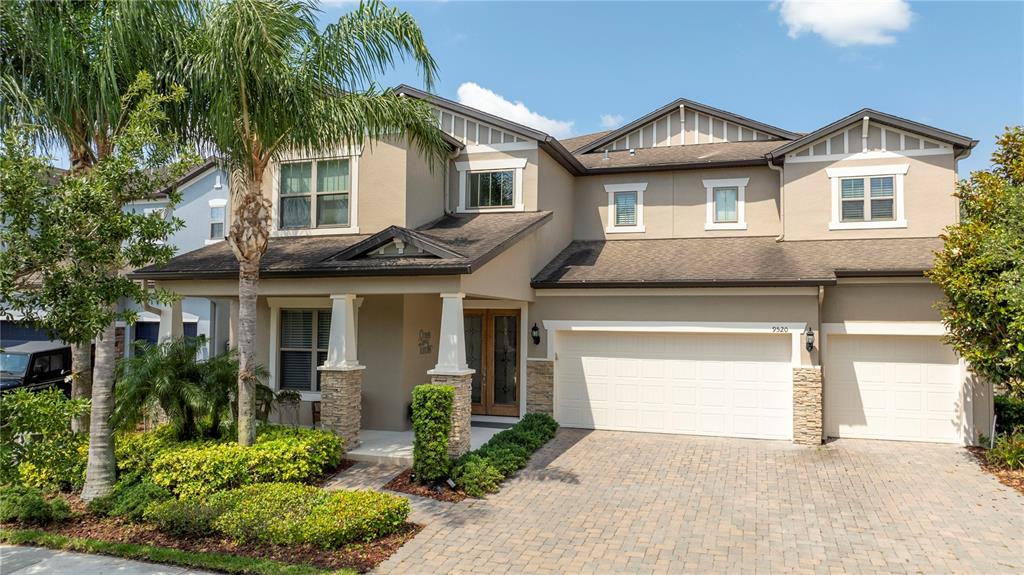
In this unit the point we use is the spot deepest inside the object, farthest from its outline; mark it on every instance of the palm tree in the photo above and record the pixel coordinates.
(195, 395)
(265, 81)
(65, 67)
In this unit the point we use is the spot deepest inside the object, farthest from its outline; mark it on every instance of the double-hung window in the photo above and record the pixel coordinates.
(303, 347)
(867, 197)
(726, 204)
(217, 222)
(314, 194)
(625, 207)
(874, 206)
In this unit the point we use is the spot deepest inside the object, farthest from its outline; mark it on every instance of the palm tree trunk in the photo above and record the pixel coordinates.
(81, 382)
(250, 233)
(101, 471)
(248, 281)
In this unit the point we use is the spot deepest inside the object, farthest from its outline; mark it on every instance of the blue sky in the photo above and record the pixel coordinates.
(798, 65)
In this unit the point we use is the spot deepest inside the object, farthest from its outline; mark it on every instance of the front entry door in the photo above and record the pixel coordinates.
(492, 349)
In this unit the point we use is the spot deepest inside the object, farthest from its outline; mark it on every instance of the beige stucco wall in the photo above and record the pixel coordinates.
(928, 191)
(424, 201)
(675, 203)
(700, 308)
(380, 350)
(422, 313)
(556, 194)
(885, 302)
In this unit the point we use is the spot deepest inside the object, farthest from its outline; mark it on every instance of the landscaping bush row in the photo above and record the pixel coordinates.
(28, 505)
(284, 514)
(432, 406)
(481, 472)
(190, 469)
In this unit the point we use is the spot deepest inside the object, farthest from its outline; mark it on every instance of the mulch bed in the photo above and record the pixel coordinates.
(359, 556)
(403, 483)
(1009, 478)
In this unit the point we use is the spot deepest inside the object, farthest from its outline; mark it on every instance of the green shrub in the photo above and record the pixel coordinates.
(480, 472)
(37, 446)
(288, 513)
(1009, 413)
(1008, 450)
(279, 455)
(135, 452)
(187, 518)
(477, 476)
(28, 505)
(129, 500)
(431, 424)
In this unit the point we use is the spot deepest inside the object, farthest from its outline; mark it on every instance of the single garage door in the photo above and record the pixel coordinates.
(892, 387)
(703, 384)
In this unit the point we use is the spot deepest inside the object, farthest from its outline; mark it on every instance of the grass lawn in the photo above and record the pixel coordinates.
(192, 559)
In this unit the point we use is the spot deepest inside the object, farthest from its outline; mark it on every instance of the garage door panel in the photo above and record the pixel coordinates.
(903, 388)
(676, 383)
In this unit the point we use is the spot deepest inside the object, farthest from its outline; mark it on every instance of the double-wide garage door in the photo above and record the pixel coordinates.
(704, 384)
(892, 387)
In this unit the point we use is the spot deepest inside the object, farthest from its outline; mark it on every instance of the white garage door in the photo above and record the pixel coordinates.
(892, 387)
(704, 384)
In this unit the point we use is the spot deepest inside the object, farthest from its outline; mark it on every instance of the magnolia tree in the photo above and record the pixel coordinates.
(981, 268)
(65, 239)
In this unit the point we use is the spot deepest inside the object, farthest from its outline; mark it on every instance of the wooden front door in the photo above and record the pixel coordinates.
(492, 349)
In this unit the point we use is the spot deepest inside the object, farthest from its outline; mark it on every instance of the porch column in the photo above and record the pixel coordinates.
(171, 326)
(452, 369)
(341, 376)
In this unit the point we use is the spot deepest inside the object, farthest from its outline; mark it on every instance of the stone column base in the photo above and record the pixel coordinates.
(341, 395)
(540, 386)
(807, 408)
(458, 439)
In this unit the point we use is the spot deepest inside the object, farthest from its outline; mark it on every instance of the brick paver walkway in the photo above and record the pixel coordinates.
(608, 502)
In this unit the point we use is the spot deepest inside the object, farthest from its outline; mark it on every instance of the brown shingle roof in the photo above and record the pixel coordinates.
(736, 261)
(474, 238)
(576, 142)
(723, 153)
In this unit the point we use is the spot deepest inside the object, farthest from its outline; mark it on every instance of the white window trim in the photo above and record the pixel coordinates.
(612, 189)
(741, 203)
(518, 165)
(218, 203)
(896, 171)
(353, 195)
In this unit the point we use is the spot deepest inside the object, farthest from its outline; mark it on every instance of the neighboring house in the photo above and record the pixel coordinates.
(692, 272)
(203, 208)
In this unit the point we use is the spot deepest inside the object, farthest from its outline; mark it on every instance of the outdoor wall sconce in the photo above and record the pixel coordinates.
(810, 339)
(535, 334)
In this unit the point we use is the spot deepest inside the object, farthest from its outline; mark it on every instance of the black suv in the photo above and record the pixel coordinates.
(35, 365)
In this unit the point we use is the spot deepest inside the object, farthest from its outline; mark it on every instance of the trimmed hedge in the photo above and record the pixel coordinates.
(432, 406)
(480, 472)
(280, 454)
(28, 505)
(287, 513)
(129, 500)
(1009, 413)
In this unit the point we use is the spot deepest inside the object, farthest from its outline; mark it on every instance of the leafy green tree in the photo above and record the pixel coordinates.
(65, 242)
(981, 267)
(266, 81)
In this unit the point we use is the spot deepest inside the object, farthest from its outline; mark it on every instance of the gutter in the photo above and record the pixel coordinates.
(555, 284)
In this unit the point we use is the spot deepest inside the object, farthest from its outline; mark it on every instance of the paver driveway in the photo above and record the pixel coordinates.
(609, 502)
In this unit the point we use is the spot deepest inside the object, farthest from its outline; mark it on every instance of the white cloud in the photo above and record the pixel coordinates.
(846, 22)
(475, 96)
(611, 121)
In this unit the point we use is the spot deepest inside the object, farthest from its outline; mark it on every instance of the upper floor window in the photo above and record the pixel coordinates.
(492, 189)
(625, 207)
(726, 204)
(867, 197)
(314, 194)
(491, 185)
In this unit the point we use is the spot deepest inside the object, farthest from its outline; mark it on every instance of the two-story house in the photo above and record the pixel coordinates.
(204, 213)
(692, 272)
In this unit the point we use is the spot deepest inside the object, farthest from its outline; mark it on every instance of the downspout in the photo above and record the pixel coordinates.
(782, 198)
(448, 181)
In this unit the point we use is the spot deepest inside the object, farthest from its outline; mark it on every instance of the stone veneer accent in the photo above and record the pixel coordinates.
(807, 418)
(341, 395)
(540, 386)
(458, 439)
